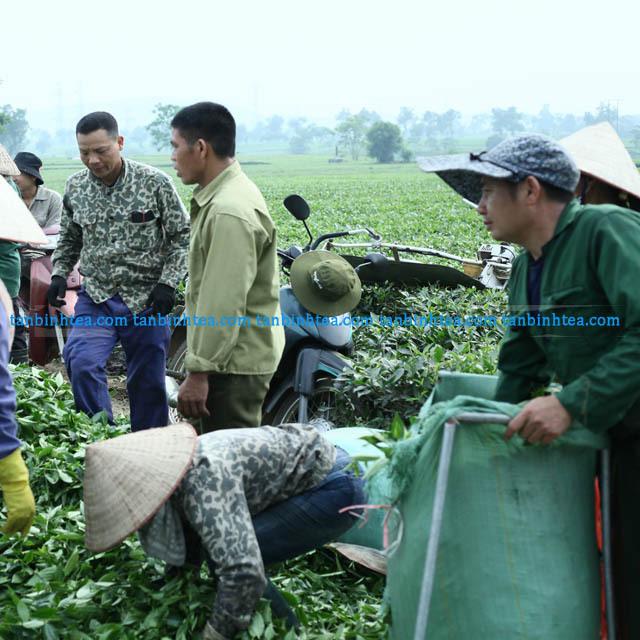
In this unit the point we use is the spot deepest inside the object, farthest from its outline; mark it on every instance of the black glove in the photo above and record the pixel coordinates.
(57, 289)
(163, 298)
(279, 606)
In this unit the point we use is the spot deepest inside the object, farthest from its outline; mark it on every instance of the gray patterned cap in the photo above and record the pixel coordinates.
(514, 159)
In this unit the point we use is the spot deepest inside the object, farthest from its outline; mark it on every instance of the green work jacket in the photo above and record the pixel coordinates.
(590, 281)
(233, 280)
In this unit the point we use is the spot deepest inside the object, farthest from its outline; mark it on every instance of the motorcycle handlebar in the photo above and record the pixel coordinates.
(340, 234)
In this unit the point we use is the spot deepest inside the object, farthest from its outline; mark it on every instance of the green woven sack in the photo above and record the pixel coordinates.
(517, 556)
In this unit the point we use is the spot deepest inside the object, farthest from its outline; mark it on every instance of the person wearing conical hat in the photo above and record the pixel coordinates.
(574, 317)
(10, 265)
(608, 174)
(240, 499)
(16, 225)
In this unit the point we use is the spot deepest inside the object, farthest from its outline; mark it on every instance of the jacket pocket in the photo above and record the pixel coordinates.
(575, 321)
(142, 236)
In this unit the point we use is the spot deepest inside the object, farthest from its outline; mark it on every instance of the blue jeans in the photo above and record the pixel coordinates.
(145, 347)
(310, 519)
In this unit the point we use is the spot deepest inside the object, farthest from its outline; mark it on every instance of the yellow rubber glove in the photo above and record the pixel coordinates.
(14, 481)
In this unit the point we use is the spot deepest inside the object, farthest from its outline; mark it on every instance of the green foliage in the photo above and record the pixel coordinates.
(160, 128)
(394, 368)
(606, 112)
(13, 128)
(383, 141)
(351, 133)
(406, 155)
(304, 135)
(506, 122)
(406, 120)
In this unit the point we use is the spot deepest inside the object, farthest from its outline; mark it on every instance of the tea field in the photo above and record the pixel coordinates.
(52, 587)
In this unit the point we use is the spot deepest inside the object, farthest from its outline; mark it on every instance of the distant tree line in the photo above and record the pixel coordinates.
(353, 136)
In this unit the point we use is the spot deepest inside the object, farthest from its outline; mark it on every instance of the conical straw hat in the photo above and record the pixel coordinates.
(16, 221)
(599, 152)
(128, 478)
(7, 165)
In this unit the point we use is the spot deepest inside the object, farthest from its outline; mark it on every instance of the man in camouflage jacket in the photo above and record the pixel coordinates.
(126, 223)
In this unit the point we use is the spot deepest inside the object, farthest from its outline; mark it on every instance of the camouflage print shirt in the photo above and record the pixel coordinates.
(129, 236)
(237, 473)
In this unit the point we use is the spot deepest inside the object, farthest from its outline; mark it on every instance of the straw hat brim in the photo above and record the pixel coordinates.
(7, 166)
(16, 222)
(600, 153)
(127, 479)
(302, 266)
(373, 559)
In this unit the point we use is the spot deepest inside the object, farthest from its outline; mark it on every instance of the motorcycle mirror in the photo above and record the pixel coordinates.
(297, 206)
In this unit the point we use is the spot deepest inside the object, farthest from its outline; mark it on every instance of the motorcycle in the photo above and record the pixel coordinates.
(301, 389)
(491, 269)
(47, 326)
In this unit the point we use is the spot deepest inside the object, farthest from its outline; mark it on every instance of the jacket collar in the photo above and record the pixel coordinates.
(119, 180)
(565, 220)
(40, 194)
(202, 195)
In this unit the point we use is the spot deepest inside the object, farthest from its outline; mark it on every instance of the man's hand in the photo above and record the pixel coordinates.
(162, 299)
(192, 396)
(542, 420)
(21, 507)
(57, 289)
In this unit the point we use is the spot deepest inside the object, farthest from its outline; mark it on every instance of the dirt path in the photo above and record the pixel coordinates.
(117, 387)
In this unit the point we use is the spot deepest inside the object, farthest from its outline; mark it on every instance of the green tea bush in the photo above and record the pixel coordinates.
(394, 367)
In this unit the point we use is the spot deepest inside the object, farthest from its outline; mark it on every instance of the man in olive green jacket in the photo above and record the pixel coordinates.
(574, 317)
(233, 276)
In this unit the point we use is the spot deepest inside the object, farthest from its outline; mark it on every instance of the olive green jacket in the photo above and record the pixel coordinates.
(591, 274)
(233, 278)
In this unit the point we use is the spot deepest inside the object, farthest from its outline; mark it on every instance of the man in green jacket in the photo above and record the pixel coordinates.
(233, 276)
(574, 316)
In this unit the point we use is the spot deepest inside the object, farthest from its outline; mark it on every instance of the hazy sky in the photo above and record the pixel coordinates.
(298, 58)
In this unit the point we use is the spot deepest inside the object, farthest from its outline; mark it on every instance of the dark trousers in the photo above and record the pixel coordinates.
(625, 522)
(234, 401)
(311, 519)
(19, 348)
(90, 344)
